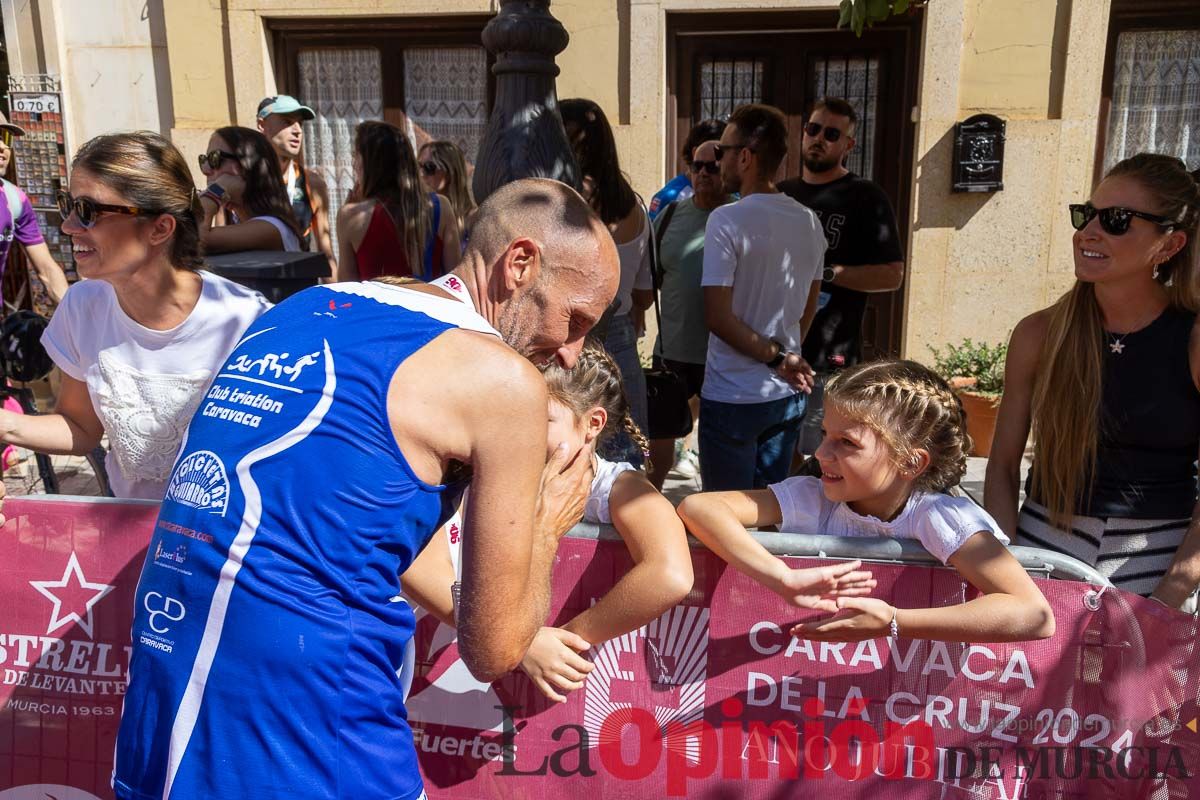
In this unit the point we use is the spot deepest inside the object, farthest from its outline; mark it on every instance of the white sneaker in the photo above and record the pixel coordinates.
(688, 464)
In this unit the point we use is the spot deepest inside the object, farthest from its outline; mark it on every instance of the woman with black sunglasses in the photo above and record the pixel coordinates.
(246, 206)
(1108, 378)
(139, 342)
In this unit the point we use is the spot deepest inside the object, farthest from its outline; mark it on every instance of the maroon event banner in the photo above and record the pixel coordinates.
(711, 700)
(68, 571)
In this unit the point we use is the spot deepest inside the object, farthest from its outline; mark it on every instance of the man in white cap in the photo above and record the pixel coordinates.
(279, 119)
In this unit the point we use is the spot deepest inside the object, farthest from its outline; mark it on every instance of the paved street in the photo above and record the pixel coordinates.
(75, 476)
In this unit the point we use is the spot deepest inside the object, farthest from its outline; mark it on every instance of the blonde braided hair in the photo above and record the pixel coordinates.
(910, 407)
(595, 381)
(397, 280)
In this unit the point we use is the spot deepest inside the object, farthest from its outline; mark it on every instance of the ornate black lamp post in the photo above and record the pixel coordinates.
(524, 137)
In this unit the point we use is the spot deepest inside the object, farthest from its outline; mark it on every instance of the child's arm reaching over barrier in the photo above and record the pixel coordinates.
(1011, 609)
(660, 578)
(721, 519)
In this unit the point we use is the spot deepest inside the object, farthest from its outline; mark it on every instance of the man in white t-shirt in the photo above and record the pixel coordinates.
(763, 257)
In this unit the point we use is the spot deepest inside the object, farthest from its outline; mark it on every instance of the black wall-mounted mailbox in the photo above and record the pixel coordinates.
(979, 154)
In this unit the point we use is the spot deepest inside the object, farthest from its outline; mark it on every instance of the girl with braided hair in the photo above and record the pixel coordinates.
(894, 443)
(587, 406)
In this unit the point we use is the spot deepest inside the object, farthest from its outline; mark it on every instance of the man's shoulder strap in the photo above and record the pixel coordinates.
(13, 198)
(664, 221)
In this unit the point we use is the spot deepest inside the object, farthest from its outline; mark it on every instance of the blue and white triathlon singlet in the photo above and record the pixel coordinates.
(269, 627)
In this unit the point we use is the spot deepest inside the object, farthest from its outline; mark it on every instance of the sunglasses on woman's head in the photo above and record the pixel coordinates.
(213, 158)
(1114, 220)
(430, 167)
(87, 210)
(711, 167)
(815, 128)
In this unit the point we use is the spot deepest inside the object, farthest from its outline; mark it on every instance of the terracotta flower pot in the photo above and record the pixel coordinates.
(981, 420)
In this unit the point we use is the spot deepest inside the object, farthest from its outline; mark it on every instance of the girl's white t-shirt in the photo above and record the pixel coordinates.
(595, 508)
(146, 384)
(941, 523)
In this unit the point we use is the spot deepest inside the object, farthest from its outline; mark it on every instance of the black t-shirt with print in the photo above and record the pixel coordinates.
(860, 227)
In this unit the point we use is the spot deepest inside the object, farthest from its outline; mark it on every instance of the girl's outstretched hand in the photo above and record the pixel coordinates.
(819, 587)
(857, 618)
(554, 662)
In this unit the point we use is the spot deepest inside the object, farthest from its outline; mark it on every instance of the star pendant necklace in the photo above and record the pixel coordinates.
(1117, 345)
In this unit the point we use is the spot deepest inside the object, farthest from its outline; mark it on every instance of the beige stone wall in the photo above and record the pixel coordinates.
(977, 263)
(110, 54)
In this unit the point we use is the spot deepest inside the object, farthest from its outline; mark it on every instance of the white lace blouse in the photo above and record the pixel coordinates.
(145, 384)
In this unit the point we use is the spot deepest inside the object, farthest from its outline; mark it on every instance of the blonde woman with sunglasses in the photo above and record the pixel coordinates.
(139, 342)
(1108, 379)
(18, 222)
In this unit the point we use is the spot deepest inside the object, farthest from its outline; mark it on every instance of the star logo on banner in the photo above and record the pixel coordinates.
(70, 593)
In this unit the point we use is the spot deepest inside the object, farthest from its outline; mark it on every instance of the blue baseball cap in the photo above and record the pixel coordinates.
(284, 104)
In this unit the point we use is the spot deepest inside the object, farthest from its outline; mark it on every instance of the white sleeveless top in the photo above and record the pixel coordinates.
(634, 256)
(941, 523)
(596, 509)
(291, 244)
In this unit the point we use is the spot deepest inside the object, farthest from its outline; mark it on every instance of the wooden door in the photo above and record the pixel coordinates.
(789, 60)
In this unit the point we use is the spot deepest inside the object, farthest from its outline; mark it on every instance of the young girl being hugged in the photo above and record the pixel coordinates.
(587, 405)
(894, 442)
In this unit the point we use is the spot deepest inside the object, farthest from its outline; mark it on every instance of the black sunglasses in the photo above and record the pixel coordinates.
(212, 159)
(430, 167)
(1114, 220)
(815, 128)
(711, 167)
(87, 210)
(6, 136)
(720, 150)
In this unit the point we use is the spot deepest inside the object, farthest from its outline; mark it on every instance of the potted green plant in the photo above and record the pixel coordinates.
(976, 372)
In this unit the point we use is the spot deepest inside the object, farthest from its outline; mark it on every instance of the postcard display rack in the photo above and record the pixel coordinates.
(35, 104)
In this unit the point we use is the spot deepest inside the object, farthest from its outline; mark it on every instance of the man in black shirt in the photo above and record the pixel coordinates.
(864, 252)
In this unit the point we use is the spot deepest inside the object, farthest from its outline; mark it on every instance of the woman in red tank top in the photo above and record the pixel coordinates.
(390, 225)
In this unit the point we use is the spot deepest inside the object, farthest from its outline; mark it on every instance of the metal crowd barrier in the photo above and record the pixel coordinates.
(1036, 561)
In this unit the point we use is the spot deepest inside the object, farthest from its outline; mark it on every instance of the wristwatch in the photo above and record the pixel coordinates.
(828, 275)
(780, 355)
(216, 191)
